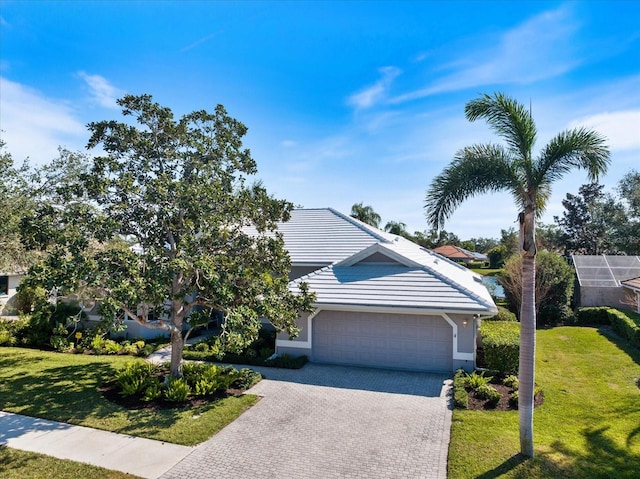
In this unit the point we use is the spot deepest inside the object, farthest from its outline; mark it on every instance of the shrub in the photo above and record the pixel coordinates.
(111, 347)
(6, 338)
(46, 318)
(511, 382)
(134, 378)
(621, 322)
(176, 390)
(247, 378)
(460, 396)
(501, 346)
(488, 392)
(13, 332)
(152, 391)
(287, 361)
(503, 315)
(146, 350)
(554, 286)
(475, 380)
(593, 316)
(513, 399)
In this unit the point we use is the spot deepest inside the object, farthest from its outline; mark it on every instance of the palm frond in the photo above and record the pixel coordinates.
(474, 170)
(508, 118)
(579, 148)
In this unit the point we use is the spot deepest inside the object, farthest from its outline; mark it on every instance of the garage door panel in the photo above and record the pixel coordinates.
(383, 340)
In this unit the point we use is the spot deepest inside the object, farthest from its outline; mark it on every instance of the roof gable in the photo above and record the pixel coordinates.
(414, 278)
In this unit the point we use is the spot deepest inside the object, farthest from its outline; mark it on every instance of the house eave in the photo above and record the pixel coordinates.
(404, 309)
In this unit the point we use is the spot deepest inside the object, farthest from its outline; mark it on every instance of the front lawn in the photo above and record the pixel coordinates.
(15, 464)
(64, 387)
(588, 426)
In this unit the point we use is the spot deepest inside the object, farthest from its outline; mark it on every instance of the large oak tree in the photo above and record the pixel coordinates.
(157, 223)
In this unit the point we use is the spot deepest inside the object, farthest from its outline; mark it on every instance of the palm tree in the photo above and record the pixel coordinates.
(486, 168)
(396, 228)
(365, 214)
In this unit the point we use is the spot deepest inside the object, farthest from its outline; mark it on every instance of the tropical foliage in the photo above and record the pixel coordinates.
(366, 214)
(512, 167)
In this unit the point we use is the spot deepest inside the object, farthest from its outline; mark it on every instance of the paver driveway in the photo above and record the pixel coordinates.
(332, 422)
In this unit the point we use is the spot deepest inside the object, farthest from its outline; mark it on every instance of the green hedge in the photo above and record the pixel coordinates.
(503, 315)
(501, 345)
(625, 323)
(460, 396)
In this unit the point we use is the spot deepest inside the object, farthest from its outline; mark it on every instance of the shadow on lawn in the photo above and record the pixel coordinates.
(603, 458)
(505, 467)
(624, 345)
(70, 394)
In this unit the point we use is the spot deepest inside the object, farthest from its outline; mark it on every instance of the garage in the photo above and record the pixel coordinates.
(383, 340)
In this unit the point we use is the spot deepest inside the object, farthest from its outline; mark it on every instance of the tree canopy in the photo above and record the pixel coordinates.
(164, 222)
(366, 214)
(16, 194)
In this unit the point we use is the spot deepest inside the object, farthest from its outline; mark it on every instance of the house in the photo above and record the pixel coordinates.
(381, 300)
(606, 280)
(458, 254)
(9, 281)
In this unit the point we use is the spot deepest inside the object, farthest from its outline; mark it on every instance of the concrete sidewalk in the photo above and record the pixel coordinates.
(134, 455)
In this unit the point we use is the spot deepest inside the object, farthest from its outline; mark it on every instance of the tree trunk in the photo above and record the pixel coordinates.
(177, 343)
(527, 333)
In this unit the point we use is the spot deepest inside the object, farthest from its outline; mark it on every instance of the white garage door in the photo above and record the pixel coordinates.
(422, 343)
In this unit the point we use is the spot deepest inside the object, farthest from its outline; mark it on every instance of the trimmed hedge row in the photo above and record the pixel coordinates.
(501, 345)
(625, 323)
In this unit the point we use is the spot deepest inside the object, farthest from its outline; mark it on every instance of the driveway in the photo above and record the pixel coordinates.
(332, 422)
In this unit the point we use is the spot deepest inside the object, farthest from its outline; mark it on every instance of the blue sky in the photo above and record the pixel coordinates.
(345, 101)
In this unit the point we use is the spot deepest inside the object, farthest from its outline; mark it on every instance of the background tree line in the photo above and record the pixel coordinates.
(593, 222)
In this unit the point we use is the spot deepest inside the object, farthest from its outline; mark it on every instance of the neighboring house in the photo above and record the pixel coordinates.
(8, 284)
(381, 300)
(458, 254)
(605, 280)
(633, 286)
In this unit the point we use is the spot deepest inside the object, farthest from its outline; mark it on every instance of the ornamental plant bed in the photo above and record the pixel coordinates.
(110, 391)
(226, 382)
(478, 404)
(476, 391)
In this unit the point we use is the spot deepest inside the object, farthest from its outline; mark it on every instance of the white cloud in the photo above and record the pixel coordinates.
(622, 128)
(537, 49)
(201, 41)
(288, 143)
(103, 92)
(34, 126)
(375, 93)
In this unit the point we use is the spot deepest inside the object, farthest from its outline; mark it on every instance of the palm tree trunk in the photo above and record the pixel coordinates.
(527, 354)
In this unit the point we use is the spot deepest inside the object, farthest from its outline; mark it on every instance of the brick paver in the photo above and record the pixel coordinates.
(332, 422)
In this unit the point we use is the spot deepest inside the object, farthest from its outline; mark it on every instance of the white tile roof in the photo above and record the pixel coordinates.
(322, 236)
(414, 278)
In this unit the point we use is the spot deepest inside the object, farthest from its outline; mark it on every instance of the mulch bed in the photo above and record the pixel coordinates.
(477, 404)
(109, 391)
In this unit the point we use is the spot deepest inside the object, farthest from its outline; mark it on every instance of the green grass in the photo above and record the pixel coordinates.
(64, 387)
(487, 271)
(15, 464)
(588, 426)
